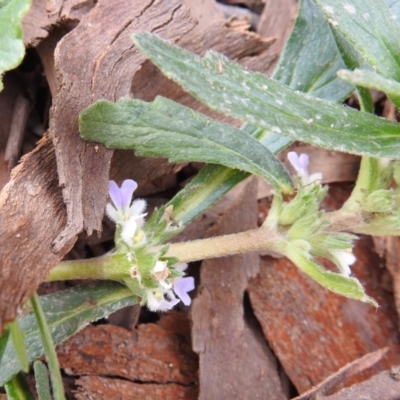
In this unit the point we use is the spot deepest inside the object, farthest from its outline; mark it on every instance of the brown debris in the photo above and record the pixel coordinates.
(151, 353)
(314, 332)
(379, 387)
(100, 388)
(335, 381)
(277, 20)
(234, 361)
(32, 213)
(98, 60)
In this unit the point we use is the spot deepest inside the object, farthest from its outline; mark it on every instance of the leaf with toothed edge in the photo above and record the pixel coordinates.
(269, 104)
(164, 128)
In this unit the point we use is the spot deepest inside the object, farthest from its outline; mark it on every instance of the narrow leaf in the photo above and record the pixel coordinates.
(42, 381)
(67, 312)
(337, 283)
(165, 128)
(372, 80)
(49, 348)
(3, 340)
(18, 342)
(310, 59)
(269, 104)
(371, 28)
(17, 388)
(12, 48)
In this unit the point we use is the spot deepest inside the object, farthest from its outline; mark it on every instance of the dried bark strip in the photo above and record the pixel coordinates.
(92, 62)
(150, 354)
(98, 60)
(100, 388)
(335, 381)
(314, 332)
(32, 213)
(234, 361)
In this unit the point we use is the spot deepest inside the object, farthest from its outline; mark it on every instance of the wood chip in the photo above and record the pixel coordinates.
(234, 361)
(152, 353)
(314, 332)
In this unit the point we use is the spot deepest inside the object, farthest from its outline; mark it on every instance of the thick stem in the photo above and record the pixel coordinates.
(254, 240)
(108, 267)
(117, 266)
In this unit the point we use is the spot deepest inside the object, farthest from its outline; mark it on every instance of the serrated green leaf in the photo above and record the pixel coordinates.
(372, 80)
(267, 103)
(310, 59)
(12, 48)
(42, 381)
(168, 129)
(66, 312)
(337, 283)
(371, 28)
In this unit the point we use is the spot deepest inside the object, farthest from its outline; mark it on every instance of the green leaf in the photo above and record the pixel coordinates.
(269, 104)
(3, 340)
(337, 283)
(12, 48)
(18, 341)
(165, 128)
(66, 312)
(394, 7)
(17, 388)
(371, 28)
(372, 80)
(310, 59)
(42, 381)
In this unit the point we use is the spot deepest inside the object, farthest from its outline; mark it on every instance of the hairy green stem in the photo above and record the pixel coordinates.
(49, 349)
(254, 240)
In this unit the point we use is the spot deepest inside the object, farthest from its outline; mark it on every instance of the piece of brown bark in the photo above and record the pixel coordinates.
(98, 60)
(388, 248)
(234, 361)
(314, 332)
(152, 353)
(101, 388)
(380, 387)
(276, 21)
(32, 213)
(335, 382)
(88, 69)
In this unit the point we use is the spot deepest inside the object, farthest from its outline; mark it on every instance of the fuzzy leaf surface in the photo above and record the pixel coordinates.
(371, 28)
(67, 312)
(164, 128)
(225, 86)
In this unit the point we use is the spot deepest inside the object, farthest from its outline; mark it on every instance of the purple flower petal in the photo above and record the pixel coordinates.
(115, 194)
(182, 286)
(127, 188)
(122, 197)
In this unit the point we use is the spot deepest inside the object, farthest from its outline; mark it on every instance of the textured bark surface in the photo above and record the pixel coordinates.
(32, 213)
(234, 361)
(153, 353)
(96, 60)
(295, 311)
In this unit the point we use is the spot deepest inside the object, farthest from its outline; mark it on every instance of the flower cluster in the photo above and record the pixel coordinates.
(308, 225)
(161, 286)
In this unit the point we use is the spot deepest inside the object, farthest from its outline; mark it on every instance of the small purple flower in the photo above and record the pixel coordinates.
(300, 164)
(181, 288)
(130, 216)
